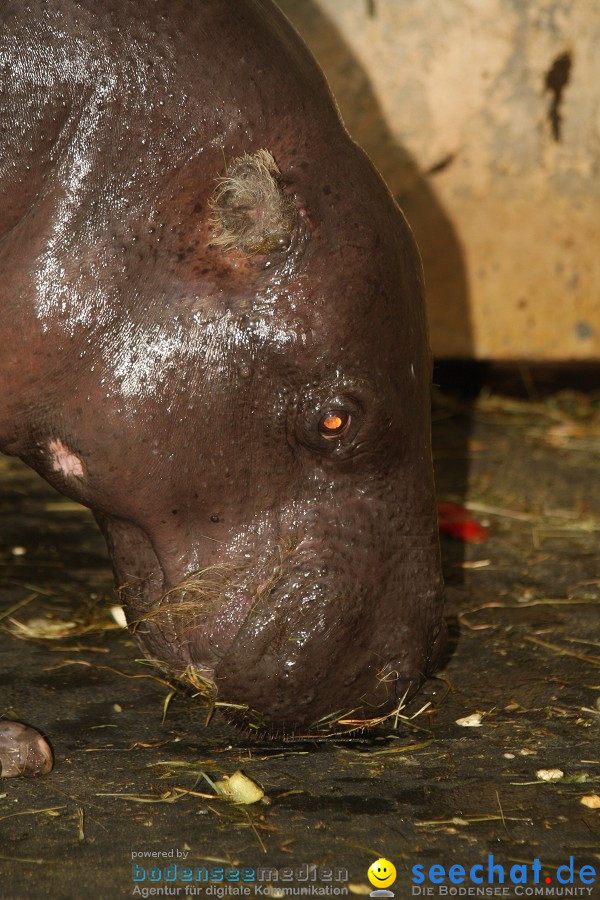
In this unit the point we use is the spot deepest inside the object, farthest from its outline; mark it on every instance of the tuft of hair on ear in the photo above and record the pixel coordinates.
(250, 210)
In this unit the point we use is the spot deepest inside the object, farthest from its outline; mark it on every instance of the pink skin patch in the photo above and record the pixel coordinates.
(64, 461)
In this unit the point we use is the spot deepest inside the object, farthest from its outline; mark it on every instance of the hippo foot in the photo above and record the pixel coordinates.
(23, 751)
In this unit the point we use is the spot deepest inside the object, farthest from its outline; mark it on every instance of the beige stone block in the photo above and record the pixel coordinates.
(483, 116)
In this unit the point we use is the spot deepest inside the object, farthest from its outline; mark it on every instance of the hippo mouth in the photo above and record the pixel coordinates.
(274, 659)
(188, 624)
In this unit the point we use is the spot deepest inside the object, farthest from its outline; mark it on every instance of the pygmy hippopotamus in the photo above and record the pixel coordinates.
(212, 334)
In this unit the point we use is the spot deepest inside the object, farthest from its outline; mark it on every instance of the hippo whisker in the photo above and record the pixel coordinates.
(131, 594)
(196, 582)
(203, 592)
(134, 581)
(203, 687)
(194, 594)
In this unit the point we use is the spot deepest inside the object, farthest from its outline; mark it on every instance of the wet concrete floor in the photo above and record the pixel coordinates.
(523, 663)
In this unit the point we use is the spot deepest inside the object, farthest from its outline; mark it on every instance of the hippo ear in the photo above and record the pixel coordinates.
(250, 210)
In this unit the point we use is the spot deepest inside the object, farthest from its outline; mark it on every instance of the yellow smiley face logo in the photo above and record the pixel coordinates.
(382, 873)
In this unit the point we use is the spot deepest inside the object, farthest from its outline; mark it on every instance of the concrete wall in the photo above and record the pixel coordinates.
(484, 118)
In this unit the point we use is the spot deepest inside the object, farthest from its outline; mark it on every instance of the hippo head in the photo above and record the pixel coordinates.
(248, 419)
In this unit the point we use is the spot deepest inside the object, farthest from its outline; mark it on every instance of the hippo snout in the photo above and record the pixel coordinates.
(297, 645)
(321, 660)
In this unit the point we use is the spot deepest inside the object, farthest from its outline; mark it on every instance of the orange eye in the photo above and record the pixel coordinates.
(334, 423)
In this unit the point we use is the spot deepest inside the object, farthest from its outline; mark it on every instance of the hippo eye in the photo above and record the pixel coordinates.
(328, 426)
(335, 423)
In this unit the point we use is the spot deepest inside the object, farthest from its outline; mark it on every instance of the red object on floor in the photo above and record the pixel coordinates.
(456, 521)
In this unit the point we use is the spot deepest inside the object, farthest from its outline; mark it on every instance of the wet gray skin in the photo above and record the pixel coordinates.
(249, 426)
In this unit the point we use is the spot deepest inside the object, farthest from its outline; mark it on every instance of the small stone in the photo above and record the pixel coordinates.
(472, 721)
(549, 774)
